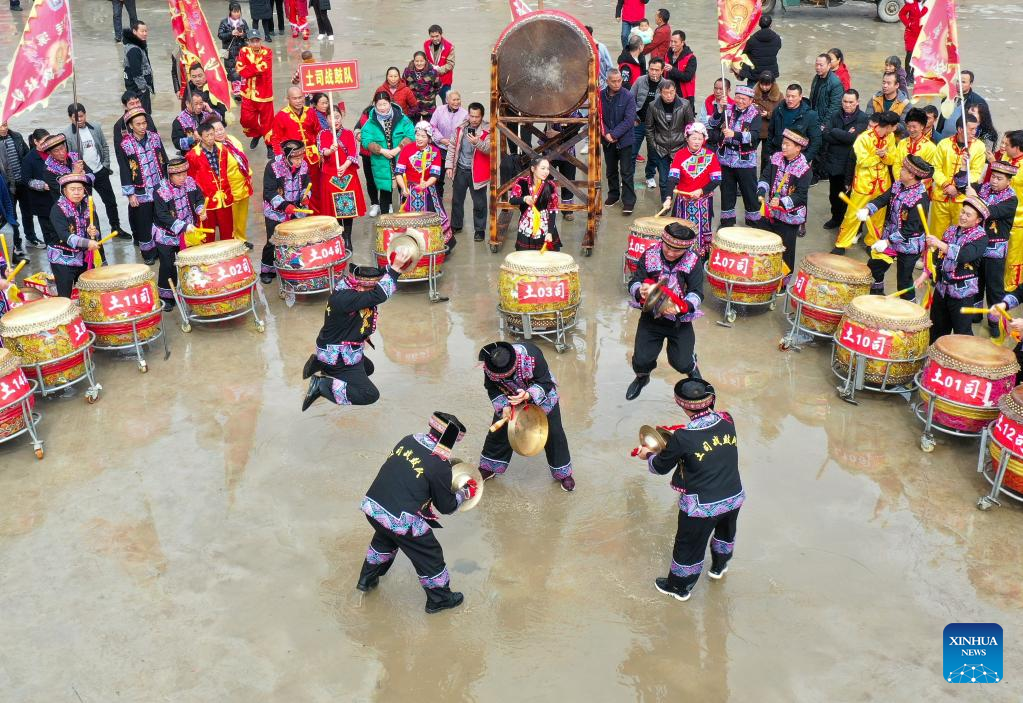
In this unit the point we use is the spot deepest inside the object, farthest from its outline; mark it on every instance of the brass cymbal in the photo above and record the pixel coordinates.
(656, 299)
(654, 438)
(527, 431)
(461, 472)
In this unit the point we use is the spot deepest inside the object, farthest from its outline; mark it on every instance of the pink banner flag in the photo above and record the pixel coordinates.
(42, 61)
(518, 8)
(936, 54)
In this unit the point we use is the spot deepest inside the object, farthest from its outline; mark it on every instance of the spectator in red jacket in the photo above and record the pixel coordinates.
(441, 55)
(401, 94)
(911, 14)
(658, 48)
(630, 12)
(838, 67)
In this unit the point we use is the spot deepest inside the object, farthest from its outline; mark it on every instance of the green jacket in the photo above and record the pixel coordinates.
(373, 133)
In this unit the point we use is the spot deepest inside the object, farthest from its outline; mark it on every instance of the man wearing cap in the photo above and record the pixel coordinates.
(75, 235)
(60, 162)
(902, 238)
(255, 66)
(704, 459)
(513, 375)
(1001, 203)
(960, 253)
(415, 479)
(785, 188)
(208, 165)
(736, 128)
(673, 268)
(142, 162)
(339, 369)
(957, 165)
(874, 151)
(285, 193)
(177, 208)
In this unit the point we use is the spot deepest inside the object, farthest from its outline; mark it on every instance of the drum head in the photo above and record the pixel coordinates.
(748, 240)
(527, 431)
(115, 273)
(653, 226)
(38, 316)
(212, 252)
(834, 267)
(974, 351)
(526, 261)
(883, 307)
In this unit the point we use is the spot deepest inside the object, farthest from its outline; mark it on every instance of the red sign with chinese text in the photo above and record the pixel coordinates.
(799, 287)
(231, 271)
(1009, 434)
(638, 245)
(322, 254)
(958, 387)
(730, 262)
(866, 341)
(13, 387)
(130, 301)
(543, 290)
(326, 77)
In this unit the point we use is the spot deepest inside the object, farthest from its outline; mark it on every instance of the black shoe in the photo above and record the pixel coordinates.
(664, 586)
(149, 262)
(315, 390)
(611, 200)
(312, 365)
(877, 288)
(367, 583)
(35, 243)
(268, 38)
(456, 230)
(695, 373)
(838, 251)
(627, 210)
(453, 602)
(248, 245)
(124, 235)
(477, 237)
(168, 305)
(718, 572)
(254, 142)
(832, 224)
(452, 243)
(636, 386)
(267, 278)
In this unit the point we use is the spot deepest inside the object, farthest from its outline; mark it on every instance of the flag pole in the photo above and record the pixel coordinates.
(74, 82)
(966, 131)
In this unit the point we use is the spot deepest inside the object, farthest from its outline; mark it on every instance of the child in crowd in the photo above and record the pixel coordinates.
(644, 31)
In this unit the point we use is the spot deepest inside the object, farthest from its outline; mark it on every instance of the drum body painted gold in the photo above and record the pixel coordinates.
(306, 249)
(111, 297)
(828, 282)
(644, 232)
(429, 223)
(46, 330)
(1009, 435)
(749, 259)
(899, 329)
(216, 279)
(540, 284)
(13, 388)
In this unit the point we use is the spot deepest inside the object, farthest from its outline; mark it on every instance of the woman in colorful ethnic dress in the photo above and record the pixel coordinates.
(416, 172)
(536, 196)
(340, 188)
(693, 176)
(424, 83)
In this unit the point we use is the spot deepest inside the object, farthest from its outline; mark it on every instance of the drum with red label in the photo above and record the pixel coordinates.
(965, 377)
(540, 284)
(14, 388)
(826, 283)
(306, 251)
(216, 279)
(49, 333)
(112, 297)
(644, 232)
(891, 333)
(429, 223)
(749, 259)
(1007, 433)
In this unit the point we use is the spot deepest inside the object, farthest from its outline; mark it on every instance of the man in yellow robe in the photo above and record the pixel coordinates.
(875, 152)
(958, 166)
(918, 143)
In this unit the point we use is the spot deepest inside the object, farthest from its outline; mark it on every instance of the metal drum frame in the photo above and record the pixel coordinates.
(137, 343)
(556, 336)
(187, 318)
(994, 475)
(857, 370)
(927, 439)
(432, 274)
(285, 288)
(91, 394)
(31, 420)
(729, 312)
(792, 340)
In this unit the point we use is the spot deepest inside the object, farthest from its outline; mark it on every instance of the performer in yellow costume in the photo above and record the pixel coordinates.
(953, 173)
(875, 152)
(918, 143)
(1012, 152)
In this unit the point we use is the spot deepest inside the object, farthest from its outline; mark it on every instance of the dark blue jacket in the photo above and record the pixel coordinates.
(618, 112)
(6, 203)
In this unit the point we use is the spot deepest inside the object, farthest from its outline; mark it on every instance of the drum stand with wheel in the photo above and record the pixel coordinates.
(35, 372)
(431, 276)
(729, 285)
(994, 474)
(187, 317)
(926, 415)
(122, 326)
(556, 336)
(798, 335)
(288, 291)
(855, 378)
(31, 420)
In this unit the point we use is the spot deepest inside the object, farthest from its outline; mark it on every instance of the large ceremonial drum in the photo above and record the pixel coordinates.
(543, 64)
(48, 330)
(644, 232)
(430, 224)
(891, 331)
(1007, 433)
(541, 284)
(216, 279)
(963, 370)
(306, 249)
(112, 297)
(826, 282)
(13, 388)
(750, 259)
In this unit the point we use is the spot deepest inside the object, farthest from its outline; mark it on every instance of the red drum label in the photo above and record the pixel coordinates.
(130, 301)
(322, 254)
(543, 290)
(868, 342)
(1009, 434)
(13, 387)
(729, 262)
(958, 387)
(231, 271)
(638, 245)
(77, 332)
(799, 287)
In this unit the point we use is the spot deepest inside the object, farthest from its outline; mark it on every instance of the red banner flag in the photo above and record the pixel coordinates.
(42, 61)
(518, 8)
(737, 21)
(193, 36)
(936, 54)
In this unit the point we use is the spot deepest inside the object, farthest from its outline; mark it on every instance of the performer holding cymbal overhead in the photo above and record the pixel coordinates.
(670, 275)
(514, 374)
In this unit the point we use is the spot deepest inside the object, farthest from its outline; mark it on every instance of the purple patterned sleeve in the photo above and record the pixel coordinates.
(1010, 301)
(500, 403)
(650, 464)
(77, 242)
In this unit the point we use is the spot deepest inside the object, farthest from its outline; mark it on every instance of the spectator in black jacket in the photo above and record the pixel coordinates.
(13, 150)
(794, 113)
(666, 120)
(826, 90)
(33, 173)
(762, 49)
(839, 134)
(138, 72)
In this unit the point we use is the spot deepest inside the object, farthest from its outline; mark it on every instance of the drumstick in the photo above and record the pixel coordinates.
(975, 311)
(107, 238)
(923, 219)
(305, 210)
(844, 198)
(663, 210)
(16, 270)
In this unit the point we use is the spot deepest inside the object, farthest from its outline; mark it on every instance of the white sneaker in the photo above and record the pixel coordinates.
(321, 37)
(374, 210)
(330, 37)
(651, 183)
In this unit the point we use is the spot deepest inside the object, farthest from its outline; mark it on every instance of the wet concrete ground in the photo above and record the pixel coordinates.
(193, 537)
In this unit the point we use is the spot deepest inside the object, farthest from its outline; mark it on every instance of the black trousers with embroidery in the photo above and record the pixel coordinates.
(992, 281)
(742, 181)
(497, 451)
(65, 277)
(267, 263)
(168, 271)
(424, 552)
(651, 334)
(947, 317)
(904, 269)
(350, 385)
(691, 546)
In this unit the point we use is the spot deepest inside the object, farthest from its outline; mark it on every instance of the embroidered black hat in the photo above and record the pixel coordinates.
(694, 394)
(498, 359)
